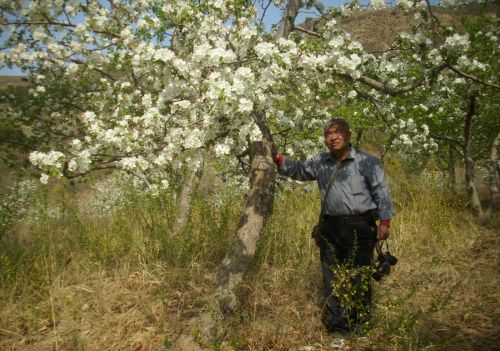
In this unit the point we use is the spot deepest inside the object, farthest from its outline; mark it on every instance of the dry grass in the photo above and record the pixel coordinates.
(14, 81)
(112, 310)
(442, 295)
(377, 29)
(128, 287)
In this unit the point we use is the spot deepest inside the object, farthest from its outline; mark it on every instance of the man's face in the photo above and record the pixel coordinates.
(337, 139)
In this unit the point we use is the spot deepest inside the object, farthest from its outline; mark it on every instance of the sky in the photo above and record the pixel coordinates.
(273, 15)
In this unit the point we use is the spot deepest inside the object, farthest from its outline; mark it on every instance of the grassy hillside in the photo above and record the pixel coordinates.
(14, 81)
(94, 268)
(377, 29)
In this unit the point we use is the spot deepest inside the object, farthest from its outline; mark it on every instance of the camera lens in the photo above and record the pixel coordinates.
(392, 260)
(383, 268)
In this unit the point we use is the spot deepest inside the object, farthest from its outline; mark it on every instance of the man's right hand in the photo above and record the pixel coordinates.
(383, 232)
(277, 158)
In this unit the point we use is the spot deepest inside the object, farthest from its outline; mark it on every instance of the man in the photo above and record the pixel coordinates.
(357, 196)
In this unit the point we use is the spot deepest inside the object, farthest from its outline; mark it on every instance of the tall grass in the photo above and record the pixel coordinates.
(114, 277)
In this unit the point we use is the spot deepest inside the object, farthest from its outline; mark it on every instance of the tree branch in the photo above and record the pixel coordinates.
(379, 86)
(307, 31)
(475, 79)
(453, 143)
(433, 16)
(68, 175)
(260, 120)
(264, 12)
(79, 62)
(14, 143)
(52, 23)
(287, 21)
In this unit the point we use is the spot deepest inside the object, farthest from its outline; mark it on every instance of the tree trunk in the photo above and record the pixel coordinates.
(261, 198)
(230, 275)
(257, 210)
(286, 26)
(184, 205)
(452, 172)
(470, 178)
(494, 170)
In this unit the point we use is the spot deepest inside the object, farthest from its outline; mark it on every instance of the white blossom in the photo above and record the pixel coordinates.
(457, 42)
(352, 94)
(377, 4)
(44, 178)
(222, 149)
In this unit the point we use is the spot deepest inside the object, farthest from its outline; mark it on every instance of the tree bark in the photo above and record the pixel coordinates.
(287, 21)
(234, 266)
(494, 171)
(452, 173)
(257, 210)
(184, 204)
(261, 198)
(470, 178)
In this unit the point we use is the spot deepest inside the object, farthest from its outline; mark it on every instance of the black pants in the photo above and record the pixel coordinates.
(346, 248)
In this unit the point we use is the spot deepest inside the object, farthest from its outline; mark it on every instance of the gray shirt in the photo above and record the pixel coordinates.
(359, 185)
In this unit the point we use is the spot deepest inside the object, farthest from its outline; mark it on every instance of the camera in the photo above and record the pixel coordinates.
(385, 261)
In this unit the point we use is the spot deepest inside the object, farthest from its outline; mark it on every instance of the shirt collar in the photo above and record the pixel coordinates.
(350, 155)
(352, 152)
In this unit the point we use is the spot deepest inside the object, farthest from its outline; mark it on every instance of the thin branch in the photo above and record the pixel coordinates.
(9, 142)
(307, 31)
(52, 23)
(434, 18)
(80, 62)
(241, 162)
(374, 102)
(136, 81)
(67, 16)
(69, 104)
(475, 79)
(379, 86)
(243, 153)
(453, 143)
(141, 177)
(283, 132)
(264, 12)
(104, 73)
(68, 175)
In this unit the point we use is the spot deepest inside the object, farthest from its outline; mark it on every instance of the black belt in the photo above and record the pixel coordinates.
(371, 215)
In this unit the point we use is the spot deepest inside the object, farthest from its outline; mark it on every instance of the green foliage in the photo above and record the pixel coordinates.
(444, 113)
(350, 287)
(65, 223)
(166, 343)
(15, 203)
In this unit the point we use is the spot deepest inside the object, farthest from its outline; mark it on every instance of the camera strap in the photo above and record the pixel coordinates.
(328, 187)
(379, 245)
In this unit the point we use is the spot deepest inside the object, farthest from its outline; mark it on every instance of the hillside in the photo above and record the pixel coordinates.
(377, 29)
(14, 81)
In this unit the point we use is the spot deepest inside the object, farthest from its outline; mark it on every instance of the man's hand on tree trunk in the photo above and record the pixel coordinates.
(274, 149)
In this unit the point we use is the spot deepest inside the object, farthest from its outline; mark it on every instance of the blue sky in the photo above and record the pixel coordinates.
(273, 15)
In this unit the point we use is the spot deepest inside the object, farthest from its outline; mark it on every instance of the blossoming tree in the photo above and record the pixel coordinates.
(142, 86)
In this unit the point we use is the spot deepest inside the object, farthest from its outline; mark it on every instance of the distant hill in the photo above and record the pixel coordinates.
(377, 29)
(12, 80)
